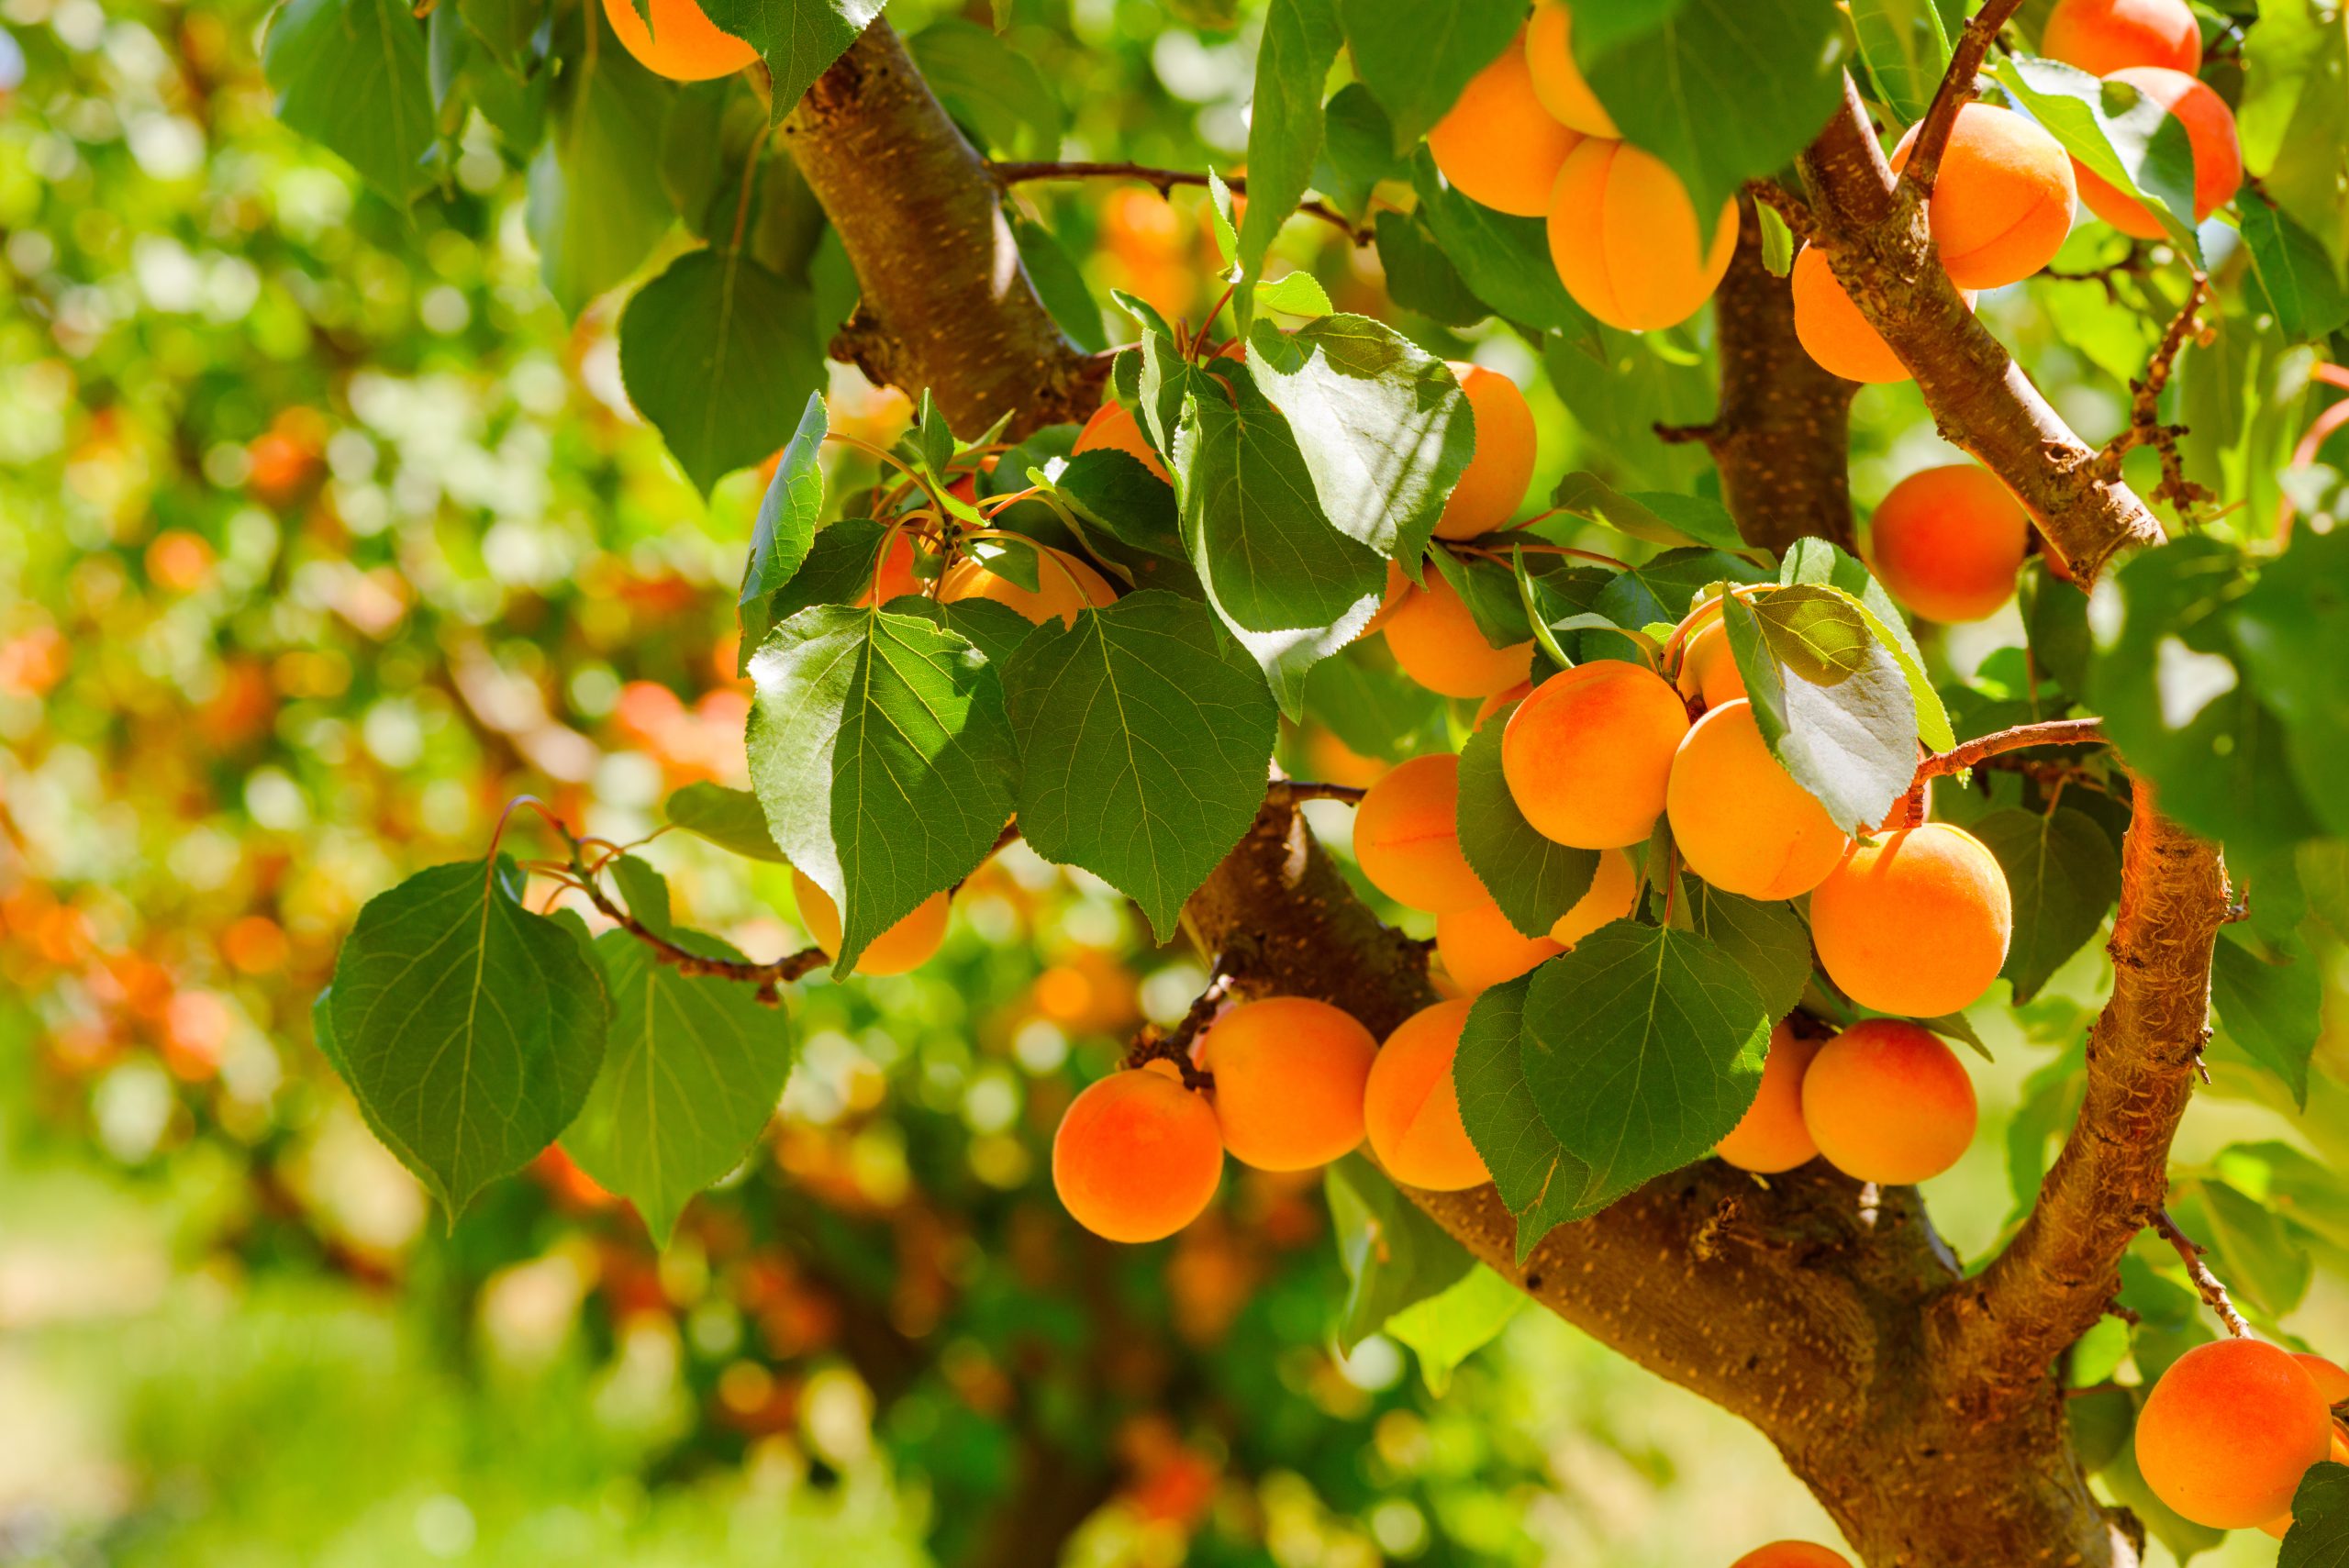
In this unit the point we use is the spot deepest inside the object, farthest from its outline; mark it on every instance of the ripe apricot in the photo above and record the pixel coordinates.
(1614, 894)
(1396, 586)
(2209, 130)
(2101, 37)
(1435, 640)
(1771, 1136)
(1834, 332)
(1587, 755)
(1406, 837)
(1499, 700)
(1741, 821)
(1792, 1554)
(1623, 237)
(2002, 201)
(1136, 1156)
(1290, 1074)
(1063, 586)
(1916, 922)
(2228, 1431)
(1412, 1109)
(894, 577)
(903, 945)
(1707, 666)
(1558, 79)
(1480, 948)
(1886, 1101)
(1495, 478)
(2331, 1381)
(1114, 429)
(682, 43)
(1947, 542)
(1497, 145)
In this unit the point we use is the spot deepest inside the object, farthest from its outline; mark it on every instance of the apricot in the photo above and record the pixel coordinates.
(1707, 666)
(1623, 237)
(1588, 755)
(1558, 79)
(682, 43)
(1137, 1157)
(2209, 130)
(1396, 586)
(2002, 201)
(1886, 1101)
(1834, 332)
(1497, 145)
(1290, 1074)
(894, 577)
(1411, 1107)
(1741, 820)
(2101, 37)
(1436, 641)
(1480, 948)
(2226, 1434)
(1916, 922)
(1771, 1136)
(1948, 542)
(2331, 1382)
(1406, 837)
(1792, 1554)
(1494, 483)
(1498, 701)
(903, 945)
(1063, 586)
(1112, 429)
(1614, 894)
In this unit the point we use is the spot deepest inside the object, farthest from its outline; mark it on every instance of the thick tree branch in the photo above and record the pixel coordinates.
(1956, 91)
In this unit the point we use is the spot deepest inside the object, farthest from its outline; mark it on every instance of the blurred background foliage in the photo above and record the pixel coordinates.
(323, 532)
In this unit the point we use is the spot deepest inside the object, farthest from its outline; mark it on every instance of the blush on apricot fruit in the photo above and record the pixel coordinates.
(2002, 201)
(1587, 755)
(1916, 922)
(1412, 1110)
(1406, 837)
(1888, 1101)
(2209, 130)
(1136, 1156)
(2228, 1430)
(1948, 542)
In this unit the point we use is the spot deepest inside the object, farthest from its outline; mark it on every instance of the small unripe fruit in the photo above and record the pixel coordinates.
(1587, 755)
(1063, 586)
(1406, 837)
(1792, 1554)
(1623, 237)
(1886, 1101)
(1494, 483)
(1558, 79)
(1412, 1109)
(1290, 1074)
(1614, 894)
(2209, 128)
(1948, 542)
(903, 945)
(1112, 427)
(1741, 821)
(1480, 948)
(2002, 201)
(1435, 640)
(1916, 922)
(682, 43)
(1771, 1136)
(2101, 37)
(1137, 1157)
(2228, 1430)
(1497, 145)
(1831, 329)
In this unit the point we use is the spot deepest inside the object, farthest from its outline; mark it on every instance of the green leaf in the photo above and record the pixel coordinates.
(1769, 942)
(1285, 127)
(1534, 879)
(2063, 874)
(880, 750)
(2116, 132)
(1447, 1327)
(708, 350)
(2297, 273)
(1420, 277)
(1620, 385)
(1394, 1255)
(839, 568)
(1816, 562)
(1112, 492)
(1829, 699)
(1059, 283)
(2323, 867)
(1294, 293)
(1286, 658)
(798, 39)
(2273, 1010)
(1642, 1048)
(989, 86)
(469, 1027)
(1504, 261)
(730, 818)
(1906, 52)
(2320, 1534)
(505, 27)
(1144, 735)
(597, 206)
(2293, 628)
(1358, 150)
(2294, 115)
(2055, 619)
(351, 75)
(1374, 707)
(1656, 516)
(1416, 58)
(785, 528)
(2253, 1251)
(1541, 1183)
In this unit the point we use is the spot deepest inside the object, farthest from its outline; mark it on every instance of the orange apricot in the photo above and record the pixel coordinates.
(2228, 1431)
(1834, 332)
(1558, 79)
(903, 945)
(1792, 1554)
(1494, 483)
(682, 43)
(894, 577)
(1588, 755)
(1888, 1101)
(1063, 586)
(1435, 640)
(2331, 1382)
(1499, 700)
(2101, 37)
(1497, 145)
(1916, 922)
(1114, 429)
(1707, 666)
(1623, 238)
(1948, 542)
(2002, 201)
(1137, 1157)
(1480, 948)
(1771, 1136)
(1396, 586)
(1411, 1108)
(2209, 130)
(1406, 837)
(1614, 894)
(1289, 1072)
(1741, 820)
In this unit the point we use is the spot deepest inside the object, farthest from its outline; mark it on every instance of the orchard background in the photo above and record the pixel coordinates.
(391, 404)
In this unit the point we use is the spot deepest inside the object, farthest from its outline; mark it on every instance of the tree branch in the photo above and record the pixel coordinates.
(2146, 428)
(2214, 1295)
(1956, 91)
(2054, 732)
(1164, 180)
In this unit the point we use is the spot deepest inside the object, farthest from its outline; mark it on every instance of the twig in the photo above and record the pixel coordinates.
(2053, 732)
(765, 976)
(1954, 93)
(2145, 429)
(1786, 204)
(1155, 1044)
(1164, 180)
(2214, 1295)
(2133, 265)
(1687, 435)
(1293, 792)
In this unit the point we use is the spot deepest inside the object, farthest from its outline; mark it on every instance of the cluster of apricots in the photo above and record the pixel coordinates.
(2231, 1427)
(1290, 1083)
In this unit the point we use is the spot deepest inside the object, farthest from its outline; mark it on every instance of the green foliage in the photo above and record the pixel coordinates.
(1415, 60)
(1905, 48)
(352, 73)
(2320, 1534)
(2062, 873)
(708, 350)
(1395, 1255)
(2123, 137)
(798, 39)
(1830, 697)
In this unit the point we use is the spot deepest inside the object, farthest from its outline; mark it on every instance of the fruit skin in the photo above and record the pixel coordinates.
(1587, 755)
(1480, 948)
(2002, 201)
(1792, 1554)
(1396, 586)
(1498, 701)
(1491, 490)
(1497, 145)
(2331, 1382)
(1948, 542)
(1406, 837)
(2101, 37)
(1136, 1156)
(1771, 1136)
(1915, 923)
(2226, 1434)
(903, 945)
(1112, 429)
(1063, 586)
(1558, 79)
(894, 577)
(1886, 1101)
(1707, 666)
(1412, 1109)
(2210, 128)
(1741, 820)
(1435, 640)
(1289, 1074)
(1623, 238)
(1614, 894)
(682, 43)
(1834, 332)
